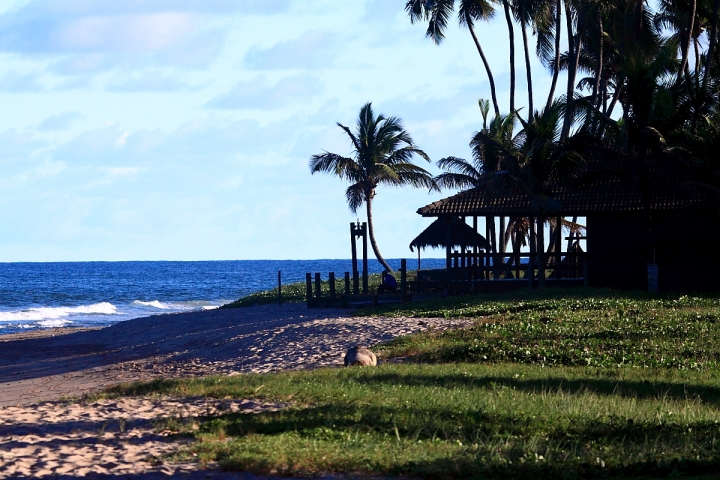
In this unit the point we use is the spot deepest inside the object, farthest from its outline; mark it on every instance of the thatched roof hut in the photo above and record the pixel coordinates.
(461, 234)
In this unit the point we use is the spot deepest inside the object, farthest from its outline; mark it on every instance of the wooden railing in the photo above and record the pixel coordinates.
(315, 298)
(472, 267)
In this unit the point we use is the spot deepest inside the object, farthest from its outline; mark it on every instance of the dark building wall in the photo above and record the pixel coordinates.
(616, 258)
(619, 249)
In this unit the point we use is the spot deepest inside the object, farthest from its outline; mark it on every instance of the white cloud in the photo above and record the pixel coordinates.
(148, 82)
(123, 171)
(60, 121)
(20, 82)
(311, 49)
(257, 94)
(50, 168)
(135, 33)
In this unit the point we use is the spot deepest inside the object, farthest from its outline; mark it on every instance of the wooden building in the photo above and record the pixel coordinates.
(635, 216)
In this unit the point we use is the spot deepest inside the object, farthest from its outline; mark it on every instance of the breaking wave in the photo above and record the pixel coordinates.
(46, 314)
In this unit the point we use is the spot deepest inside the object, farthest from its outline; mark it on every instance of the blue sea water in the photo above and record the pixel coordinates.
(83, 294)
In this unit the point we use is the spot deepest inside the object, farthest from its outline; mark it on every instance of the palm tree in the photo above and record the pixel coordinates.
(437, 13)
(528, 163)
(382, 154)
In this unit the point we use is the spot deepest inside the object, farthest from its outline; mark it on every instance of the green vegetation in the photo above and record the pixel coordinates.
(604, 331)
(295, 292)
(553, 399)
(462, 420)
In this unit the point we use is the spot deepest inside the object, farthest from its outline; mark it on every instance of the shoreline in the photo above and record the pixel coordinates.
(45, 436)
(44, 333)
(49, 364)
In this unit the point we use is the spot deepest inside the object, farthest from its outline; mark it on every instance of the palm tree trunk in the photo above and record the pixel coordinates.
(573, 53)
(600, 66)
(556, 63)
(686, 47)
(491, 79)
(528, 72)
(616, 96)
(511, 32)
(541, 251)
(711, 46)
(371, 233)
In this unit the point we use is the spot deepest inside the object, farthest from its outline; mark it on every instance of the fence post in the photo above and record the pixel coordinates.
(530, 273)
(331, 280)
(308, 289)
(356, 282)
(318, 293)
(347, 283)
(403, 279)
(279, 289)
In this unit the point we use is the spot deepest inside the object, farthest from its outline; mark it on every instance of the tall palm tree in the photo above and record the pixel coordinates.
(383, 152)
(438, 12)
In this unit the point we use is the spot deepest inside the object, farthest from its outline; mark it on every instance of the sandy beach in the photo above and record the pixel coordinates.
(43, 436)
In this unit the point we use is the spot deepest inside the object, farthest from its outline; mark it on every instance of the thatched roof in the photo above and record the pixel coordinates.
(608, 186)
(461, 234)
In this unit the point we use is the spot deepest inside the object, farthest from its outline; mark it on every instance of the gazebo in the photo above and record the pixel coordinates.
(449, 232)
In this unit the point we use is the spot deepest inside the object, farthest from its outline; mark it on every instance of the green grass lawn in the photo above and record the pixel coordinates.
(557, 384)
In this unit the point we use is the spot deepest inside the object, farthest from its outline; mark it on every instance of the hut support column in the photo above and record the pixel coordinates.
(448, 248)
(501, 239)
(533, 251)
(488, 251)
(558, 248)
(541, 251)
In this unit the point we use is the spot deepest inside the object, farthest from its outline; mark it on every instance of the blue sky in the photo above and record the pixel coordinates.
(182, 129)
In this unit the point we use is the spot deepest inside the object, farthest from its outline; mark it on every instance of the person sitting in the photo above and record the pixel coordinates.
(388, 283)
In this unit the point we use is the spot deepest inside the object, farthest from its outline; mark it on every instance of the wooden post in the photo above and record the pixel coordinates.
(331, 280)
(475, 247)
(541, 252)
(347, 283)
(279, 289)
(308, 289)
(448, 248)
(403, 279)
(488, 250)
(353, 232)
(530, 273)
(365, 258)
(317, 286)
(533, 250)
(356, 282)
(558, 248)
(501, 241)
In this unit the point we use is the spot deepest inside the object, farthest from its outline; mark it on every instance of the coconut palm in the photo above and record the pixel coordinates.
(383, 152)
(438, 12)
(528, 163)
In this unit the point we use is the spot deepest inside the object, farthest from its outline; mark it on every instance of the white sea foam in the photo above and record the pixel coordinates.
(53, 323)
(57, 313)
(154, 304)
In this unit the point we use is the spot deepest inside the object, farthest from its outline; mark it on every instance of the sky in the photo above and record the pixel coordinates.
(182, 129)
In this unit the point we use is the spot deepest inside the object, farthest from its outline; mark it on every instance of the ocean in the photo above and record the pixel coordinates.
(95, 294)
